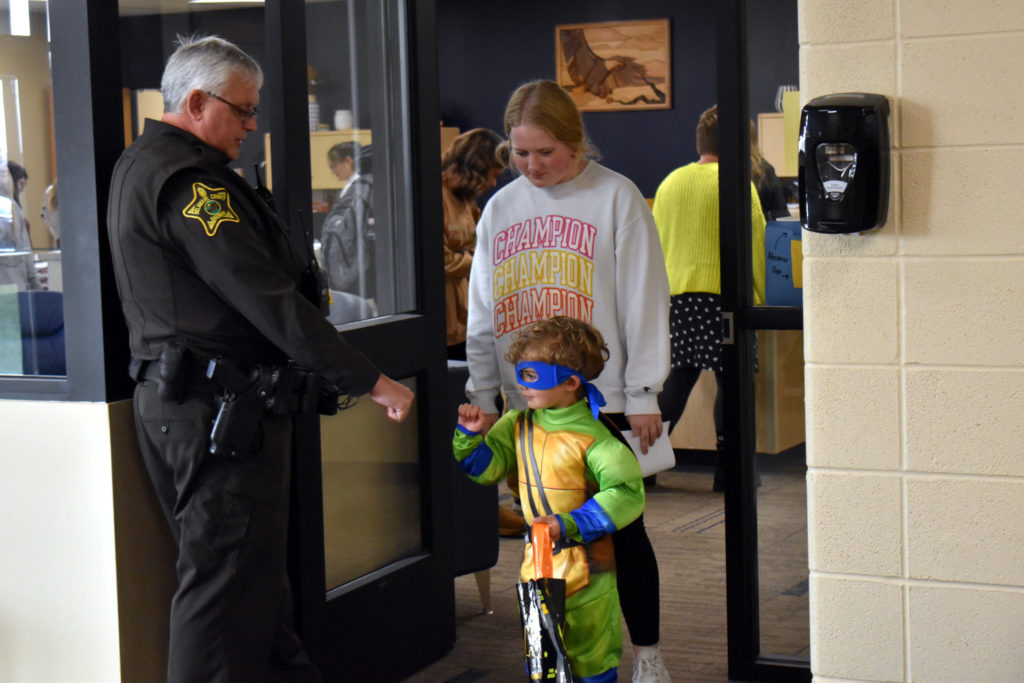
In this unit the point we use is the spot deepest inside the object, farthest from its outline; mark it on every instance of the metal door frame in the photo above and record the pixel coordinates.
(742, 604)
(316, 617)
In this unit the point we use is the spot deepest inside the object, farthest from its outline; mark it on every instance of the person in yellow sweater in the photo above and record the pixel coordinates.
(686, 213)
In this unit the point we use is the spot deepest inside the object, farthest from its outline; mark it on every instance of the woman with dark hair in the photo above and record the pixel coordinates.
(769, 187)
(17, 267)
(19, 178)
(469, 168)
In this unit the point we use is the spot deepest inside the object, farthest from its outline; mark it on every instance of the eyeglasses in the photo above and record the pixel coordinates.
(245, 115)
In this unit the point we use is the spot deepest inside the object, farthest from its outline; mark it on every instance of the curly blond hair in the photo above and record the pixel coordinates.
(562, 340)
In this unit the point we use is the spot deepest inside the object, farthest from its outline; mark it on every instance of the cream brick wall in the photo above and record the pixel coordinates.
(914, 342)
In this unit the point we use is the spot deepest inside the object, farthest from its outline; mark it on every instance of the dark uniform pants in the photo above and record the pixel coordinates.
(231, 615)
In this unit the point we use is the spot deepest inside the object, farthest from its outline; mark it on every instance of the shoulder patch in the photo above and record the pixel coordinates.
(211, 206)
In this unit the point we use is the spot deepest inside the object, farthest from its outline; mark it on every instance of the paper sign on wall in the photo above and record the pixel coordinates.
(783, 260)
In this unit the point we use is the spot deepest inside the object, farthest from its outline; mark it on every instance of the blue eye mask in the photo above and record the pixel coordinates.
(539, 375)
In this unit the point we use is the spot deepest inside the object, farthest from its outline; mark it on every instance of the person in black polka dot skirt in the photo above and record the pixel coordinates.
(686, 213)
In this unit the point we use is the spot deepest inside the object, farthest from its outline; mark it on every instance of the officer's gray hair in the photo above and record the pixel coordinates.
(204, 63)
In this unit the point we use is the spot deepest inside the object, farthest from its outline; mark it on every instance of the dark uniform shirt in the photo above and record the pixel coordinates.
(201, 260)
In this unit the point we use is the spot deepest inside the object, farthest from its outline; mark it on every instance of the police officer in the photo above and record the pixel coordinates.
(206, 273)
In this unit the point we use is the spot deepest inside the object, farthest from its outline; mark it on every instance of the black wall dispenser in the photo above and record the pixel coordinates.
(844, 163)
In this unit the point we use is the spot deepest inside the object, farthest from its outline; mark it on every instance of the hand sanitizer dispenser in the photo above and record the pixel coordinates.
(844, 163)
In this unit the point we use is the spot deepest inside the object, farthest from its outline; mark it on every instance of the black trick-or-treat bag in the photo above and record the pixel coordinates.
(542, 609)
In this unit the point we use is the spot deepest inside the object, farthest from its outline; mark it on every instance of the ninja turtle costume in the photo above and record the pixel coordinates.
(205, 271)
(571, 463)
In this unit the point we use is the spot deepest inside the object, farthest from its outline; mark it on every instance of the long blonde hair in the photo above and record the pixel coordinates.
(547, 105)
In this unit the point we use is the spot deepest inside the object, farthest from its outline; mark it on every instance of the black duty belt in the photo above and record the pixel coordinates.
(194, 378)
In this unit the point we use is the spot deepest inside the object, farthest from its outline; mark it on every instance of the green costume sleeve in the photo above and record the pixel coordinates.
(487, 460)
(620, 486)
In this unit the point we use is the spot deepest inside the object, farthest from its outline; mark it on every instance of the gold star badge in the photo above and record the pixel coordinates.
(211, 206)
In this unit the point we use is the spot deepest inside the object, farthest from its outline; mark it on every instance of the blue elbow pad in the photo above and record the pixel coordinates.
(593, 521)
(476, 462)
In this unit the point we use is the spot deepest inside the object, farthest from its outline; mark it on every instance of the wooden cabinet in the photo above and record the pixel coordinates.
(778, 395)
(322, 140)
(779, 390)
(771, 138)
(778, 135)
(319, 143)
(448, 133)
(696, 428)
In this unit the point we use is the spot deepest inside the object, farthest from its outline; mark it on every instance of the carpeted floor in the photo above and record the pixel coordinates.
(686, 523)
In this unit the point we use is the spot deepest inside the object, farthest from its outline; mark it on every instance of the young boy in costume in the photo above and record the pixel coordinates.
(574, 474)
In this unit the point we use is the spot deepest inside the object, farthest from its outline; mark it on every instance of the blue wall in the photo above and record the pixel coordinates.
(486, 49)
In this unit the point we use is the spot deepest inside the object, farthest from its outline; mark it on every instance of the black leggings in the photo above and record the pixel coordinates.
(637, 575)
(637, 578)
(676, 392)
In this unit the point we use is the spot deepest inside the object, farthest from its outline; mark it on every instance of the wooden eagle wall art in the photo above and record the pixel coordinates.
(601, 76)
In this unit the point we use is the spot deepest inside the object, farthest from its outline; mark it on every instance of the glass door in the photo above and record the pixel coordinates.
(373, 566)
(31, 285)
(765, 495)
(343, 127)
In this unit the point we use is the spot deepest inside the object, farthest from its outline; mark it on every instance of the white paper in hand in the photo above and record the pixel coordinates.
(659, 456)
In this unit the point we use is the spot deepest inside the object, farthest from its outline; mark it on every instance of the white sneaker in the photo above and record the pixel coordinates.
(648, 667)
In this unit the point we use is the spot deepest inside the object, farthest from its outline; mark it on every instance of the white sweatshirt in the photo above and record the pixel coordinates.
(586, 248)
